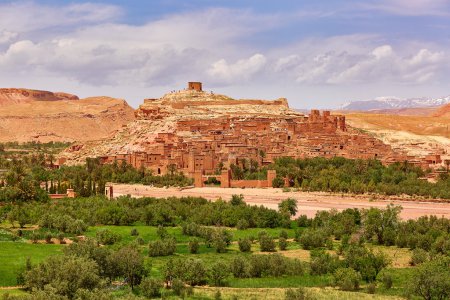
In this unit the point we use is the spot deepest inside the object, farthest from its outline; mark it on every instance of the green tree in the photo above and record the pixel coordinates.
(131, 264)
(288, 207)
(346, 279)
(65, 274)
(431, 280)
(237, 200)
(218, 272)
(377, 222)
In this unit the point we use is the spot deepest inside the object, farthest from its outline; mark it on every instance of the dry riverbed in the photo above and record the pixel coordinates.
(308, 203)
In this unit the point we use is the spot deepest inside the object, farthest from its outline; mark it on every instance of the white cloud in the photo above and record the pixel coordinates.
(174, 48)
(20, 16)
(349, 60)
(382, 52)
(7, 36)
(411, 7)
(242, 70)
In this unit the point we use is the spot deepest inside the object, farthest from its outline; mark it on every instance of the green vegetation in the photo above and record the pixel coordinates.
(187, 242)
(343, 175)
(91, 247)
(32, 177)
(13, 257)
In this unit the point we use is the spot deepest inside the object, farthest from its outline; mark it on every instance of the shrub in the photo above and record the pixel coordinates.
(245, 245)
(150, 287)
(140, 241)
(277, 265)
(239, 267)
(313, 238)
(162, 247)
(77, 227)
(365, 261)
(34, 237)
(386, 280)
(282, 243)
(266, 243)
(278, 182)
(220, 245)
(218, 272)
(303, 221)
(242, 224)
(61, 238)
(237, 200)
(418, 257)
(218, 295)
(48, 237)
(430, 279)
(284, 234)
(196, 272)
(221, 239)
(257, 265)
(297, 294)
(134, 232)
(193, 246)
(178, 286)
(20, 276)
(65, 274)
(294, 267)
(371, 288)
(323, 262)
(346, 279)
(107, 237)
(162, 232)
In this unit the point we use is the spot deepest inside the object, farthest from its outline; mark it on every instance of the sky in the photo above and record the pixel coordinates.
(318, 54)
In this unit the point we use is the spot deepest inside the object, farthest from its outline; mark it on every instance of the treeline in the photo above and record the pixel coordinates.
(31, 178)
(358, 176)
(150, 211)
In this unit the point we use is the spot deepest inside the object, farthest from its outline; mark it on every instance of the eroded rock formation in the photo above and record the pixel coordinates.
(29, 115)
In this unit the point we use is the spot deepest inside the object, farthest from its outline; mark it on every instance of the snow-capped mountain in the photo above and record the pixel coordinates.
(394, 102)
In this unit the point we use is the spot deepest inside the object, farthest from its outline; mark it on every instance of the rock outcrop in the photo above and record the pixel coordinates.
(443, 112)
(29, 115)
(15, 96)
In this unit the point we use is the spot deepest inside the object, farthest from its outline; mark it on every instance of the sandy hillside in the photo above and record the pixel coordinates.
(50, 116)
(443, 112)
(417, 135)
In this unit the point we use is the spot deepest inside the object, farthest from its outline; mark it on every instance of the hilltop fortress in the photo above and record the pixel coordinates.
(199, 132)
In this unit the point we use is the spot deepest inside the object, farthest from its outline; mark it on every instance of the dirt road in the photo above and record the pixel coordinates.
(308, 203)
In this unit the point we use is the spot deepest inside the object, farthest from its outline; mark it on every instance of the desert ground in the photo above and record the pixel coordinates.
(308, 203)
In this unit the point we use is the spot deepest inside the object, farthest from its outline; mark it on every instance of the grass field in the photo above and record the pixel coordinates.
(278, 293)
(13, 256)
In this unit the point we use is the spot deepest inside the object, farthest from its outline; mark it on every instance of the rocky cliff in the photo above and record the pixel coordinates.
(443, 112)
(30, 115)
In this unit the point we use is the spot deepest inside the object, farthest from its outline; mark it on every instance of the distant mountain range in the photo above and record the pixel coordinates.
(395, 103)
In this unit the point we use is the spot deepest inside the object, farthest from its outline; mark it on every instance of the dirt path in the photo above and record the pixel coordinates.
(308, 203)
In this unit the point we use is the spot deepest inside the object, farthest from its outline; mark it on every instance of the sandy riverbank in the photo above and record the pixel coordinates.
(308, 203)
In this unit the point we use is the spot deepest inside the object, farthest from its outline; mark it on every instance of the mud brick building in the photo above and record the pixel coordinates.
(202, 134)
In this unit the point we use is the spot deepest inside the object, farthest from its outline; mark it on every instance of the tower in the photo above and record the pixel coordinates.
(195, 86)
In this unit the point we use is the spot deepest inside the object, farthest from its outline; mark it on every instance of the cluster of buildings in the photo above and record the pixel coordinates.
(209, 146)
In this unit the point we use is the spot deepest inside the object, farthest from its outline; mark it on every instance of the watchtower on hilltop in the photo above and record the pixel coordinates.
(195, 86)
